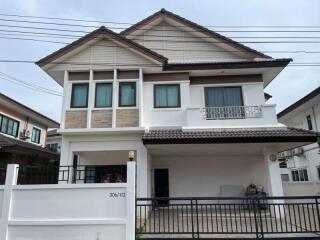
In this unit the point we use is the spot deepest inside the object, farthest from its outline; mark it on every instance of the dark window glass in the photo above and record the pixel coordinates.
(79, 95)
(300, 175)
(36, 134)
(167, 96)
(318, 168)
(309, 121)
(53, 147)
(103, 96)
(9, 126)
(127, 94)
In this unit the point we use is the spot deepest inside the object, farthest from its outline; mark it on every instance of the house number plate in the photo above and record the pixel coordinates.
(117, 194)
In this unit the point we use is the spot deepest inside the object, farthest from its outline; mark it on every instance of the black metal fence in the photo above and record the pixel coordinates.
(297, 217)
(70, 174)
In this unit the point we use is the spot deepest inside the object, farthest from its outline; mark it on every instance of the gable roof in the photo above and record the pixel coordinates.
(298, 103)
(193, 25)
(100, 32)
(51, 123)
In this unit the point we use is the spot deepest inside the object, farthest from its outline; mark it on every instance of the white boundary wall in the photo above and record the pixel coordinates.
(67, 211)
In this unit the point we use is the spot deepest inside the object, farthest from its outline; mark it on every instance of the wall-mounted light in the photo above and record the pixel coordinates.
(131, 155)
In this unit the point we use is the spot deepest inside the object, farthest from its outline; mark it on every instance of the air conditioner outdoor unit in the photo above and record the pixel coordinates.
(25, 134)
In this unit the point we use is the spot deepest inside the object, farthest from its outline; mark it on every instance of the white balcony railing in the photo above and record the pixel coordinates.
(231, 112)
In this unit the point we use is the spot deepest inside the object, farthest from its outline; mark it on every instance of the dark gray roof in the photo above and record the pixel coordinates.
(229, 136)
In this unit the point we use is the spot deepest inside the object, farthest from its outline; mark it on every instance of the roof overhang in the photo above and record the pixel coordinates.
(25, 111)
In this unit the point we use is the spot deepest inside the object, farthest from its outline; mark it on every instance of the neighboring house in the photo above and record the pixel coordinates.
(23, 133)
(302, 164)
(187, 103)
(54, 140)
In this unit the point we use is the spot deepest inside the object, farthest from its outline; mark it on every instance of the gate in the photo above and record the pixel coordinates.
(215, 217)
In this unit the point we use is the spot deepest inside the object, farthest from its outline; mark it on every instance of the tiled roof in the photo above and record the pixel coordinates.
(7, 142)
(229, 136)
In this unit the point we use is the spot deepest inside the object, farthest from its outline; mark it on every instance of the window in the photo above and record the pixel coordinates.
(79, 95)
(103, 96)
(167, 96)
(35, 137)
(223, 96)
(127, 94)
(299, 175)
(53, 147)
(285, 177)
(309, 122)
(318, 170)
(9, 126)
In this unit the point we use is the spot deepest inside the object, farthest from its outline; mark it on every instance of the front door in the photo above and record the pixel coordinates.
(161, 184)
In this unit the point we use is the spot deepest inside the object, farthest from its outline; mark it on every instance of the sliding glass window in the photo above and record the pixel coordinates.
(223, 96)
(36, 134)
(103, 96)
(9, 126)
(79, 95)
(167, 96)
(127, 94)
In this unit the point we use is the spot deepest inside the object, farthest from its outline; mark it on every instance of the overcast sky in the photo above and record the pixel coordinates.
(292, 84)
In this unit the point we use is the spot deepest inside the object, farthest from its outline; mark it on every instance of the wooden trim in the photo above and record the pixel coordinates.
(129, 74)
(102, 75)
(225, 79)
(74, 76)
(157, 77)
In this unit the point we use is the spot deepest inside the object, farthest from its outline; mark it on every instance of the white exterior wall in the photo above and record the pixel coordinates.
(202, 176)
(86, 144)
(23, 124)
(310, 159)
(75, 212)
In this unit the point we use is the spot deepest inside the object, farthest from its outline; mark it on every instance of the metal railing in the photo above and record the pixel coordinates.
(231, 112)
(69, 174)
(209, 217)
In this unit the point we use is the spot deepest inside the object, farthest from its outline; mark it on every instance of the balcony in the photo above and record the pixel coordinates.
(232, 116)
(231, 112)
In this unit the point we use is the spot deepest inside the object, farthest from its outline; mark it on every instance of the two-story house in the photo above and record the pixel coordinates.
(23, 133)
(302, 164)
(187, 104)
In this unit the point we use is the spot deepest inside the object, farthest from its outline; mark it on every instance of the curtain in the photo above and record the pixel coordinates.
(167, 96)
(127, 94)
(103, 95)
(173, 96)
(90, 175)
(223, 96)
(79, 96)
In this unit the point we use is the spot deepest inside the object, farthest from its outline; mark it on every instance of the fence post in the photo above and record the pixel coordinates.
(131, 196)
(11, 180)
(318, 213)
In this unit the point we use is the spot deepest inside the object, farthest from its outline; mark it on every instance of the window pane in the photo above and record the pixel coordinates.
(173, 96)
(79, 95)
(305, 174)
(223, 96)
(167, 96)
(15, 128)
(4, 124)
(103, 95)
(127, 94)
(35, 137)
(309, 122)
(90, 175)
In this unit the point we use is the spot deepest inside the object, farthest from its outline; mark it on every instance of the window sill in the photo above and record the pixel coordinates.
(77, 109)
(102, 108)
(166, 109)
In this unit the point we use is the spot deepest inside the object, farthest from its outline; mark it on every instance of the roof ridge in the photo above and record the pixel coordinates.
(193, 24)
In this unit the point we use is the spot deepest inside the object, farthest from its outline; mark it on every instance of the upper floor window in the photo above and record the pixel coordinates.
(127, 94)
(79, 95)
(103, 96)
(35, 136)
(223, 96)
(53, 147)
(9, 126)
(167, 96)
(309, 122)
(299, 175)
